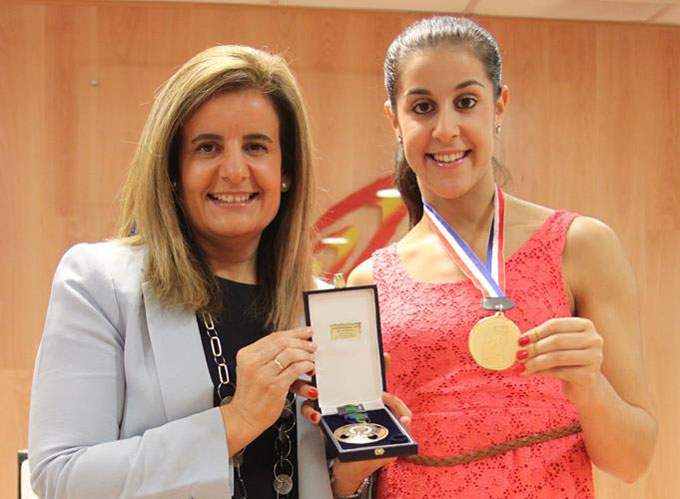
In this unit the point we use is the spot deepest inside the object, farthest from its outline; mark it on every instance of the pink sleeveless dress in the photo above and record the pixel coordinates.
(457, 406)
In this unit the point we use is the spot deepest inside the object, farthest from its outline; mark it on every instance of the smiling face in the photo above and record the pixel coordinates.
(230, 168)
(446, 112)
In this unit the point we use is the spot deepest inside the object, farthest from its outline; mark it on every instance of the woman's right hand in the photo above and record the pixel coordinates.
(265, 371)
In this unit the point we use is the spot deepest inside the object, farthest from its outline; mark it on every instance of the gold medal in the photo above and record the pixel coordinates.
(493, 342)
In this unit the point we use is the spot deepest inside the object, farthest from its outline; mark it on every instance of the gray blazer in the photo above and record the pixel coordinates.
(122, 400)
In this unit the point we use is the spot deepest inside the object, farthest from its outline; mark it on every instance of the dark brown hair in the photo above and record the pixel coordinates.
(433, 33)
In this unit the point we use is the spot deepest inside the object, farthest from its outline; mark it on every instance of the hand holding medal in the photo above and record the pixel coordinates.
(566, 348)
(493, 341)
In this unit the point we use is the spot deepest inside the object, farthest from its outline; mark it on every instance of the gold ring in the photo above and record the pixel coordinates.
(278, 364)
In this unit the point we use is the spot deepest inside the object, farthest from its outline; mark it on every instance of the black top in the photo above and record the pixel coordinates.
(239, 327)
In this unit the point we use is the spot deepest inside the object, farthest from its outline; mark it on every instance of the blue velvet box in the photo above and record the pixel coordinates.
(350, 369)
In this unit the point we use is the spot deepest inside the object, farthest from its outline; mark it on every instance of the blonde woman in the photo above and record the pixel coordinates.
(170, 361)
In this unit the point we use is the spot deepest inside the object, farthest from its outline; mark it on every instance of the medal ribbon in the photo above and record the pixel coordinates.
(489, 278)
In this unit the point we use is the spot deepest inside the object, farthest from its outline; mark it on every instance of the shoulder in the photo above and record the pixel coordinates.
(525, 213)
(589, 238)
(94, 286)
(362, 274)
(594, 259)
(115, 252)
(102, 263)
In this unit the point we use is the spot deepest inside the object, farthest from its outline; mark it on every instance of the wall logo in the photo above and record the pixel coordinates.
(341, 243)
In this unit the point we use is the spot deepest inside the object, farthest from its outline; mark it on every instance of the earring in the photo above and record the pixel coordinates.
(400, 139)
(498, 129)
(284, 186)
(174, 185)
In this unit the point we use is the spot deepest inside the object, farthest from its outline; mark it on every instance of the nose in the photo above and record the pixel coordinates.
(447, 126)
(234, 167)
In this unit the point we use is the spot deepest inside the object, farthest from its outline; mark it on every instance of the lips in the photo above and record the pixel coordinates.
(232, 198)
(446, 158)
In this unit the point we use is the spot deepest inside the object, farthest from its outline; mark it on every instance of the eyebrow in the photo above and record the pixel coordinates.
(214, 136)
(463, 84)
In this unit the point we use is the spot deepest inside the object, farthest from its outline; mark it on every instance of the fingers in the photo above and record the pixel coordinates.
(277, 352)
(397, 406)
(289, 356)
(560, 344)
(309, 413)
(559, 359)
(388, 360)
(553, 326)
(291, 373)
(273, 344)
(304, 389)
(406, 422)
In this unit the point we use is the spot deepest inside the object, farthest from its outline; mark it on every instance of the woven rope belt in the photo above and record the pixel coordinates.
(494, 450)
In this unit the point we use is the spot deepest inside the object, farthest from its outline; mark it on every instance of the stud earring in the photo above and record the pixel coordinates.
(498, 129)
(400, 139)
(284, 186)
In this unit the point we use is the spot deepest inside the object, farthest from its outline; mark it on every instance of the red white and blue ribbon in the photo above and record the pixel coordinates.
(489, 278)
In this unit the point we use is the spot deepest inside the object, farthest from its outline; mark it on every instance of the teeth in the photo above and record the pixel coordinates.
(231, 198)
(448, 158)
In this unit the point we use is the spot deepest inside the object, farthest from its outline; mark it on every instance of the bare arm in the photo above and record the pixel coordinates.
(598, 353)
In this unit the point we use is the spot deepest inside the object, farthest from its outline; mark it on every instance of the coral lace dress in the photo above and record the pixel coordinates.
(459, 407)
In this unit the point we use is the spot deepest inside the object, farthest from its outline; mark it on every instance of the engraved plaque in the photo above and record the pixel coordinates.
(345, 330)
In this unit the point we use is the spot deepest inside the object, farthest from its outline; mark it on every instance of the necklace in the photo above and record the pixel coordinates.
(283, 446)
(493, 340)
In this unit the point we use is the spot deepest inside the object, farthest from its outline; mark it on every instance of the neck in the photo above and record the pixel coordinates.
(470, 213)
(233, 259)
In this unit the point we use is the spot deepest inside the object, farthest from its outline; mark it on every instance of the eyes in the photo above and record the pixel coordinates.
(210, 149)
(207, 148)
(463, 103)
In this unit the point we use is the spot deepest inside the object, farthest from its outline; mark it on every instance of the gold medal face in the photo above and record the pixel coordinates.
(493, 342)
(361, 433)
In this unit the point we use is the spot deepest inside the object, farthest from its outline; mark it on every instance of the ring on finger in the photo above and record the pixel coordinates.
(278, 364)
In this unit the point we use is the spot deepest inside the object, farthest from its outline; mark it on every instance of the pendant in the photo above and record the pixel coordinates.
(493, 342)
(361, 433)
(283, 484)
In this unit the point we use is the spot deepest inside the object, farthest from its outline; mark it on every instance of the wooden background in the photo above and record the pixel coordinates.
(593, 126)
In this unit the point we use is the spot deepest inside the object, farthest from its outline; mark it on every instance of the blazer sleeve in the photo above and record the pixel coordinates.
(77, 406)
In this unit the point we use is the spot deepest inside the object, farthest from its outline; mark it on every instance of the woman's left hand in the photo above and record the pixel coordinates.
(566, 348)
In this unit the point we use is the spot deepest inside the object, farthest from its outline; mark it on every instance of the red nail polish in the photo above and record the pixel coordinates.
(313, 393)
(522, 354)
(523, 341)
(315, 417)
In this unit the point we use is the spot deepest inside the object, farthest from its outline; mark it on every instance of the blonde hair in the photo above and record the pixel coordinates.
(151, 211)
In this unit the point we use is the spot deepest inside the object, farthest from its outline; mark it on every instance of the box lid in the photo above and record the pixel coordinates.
(349, 357)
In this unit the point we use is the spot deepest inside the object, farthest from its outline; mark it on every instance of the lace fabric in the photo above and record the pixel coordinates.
(459, 407)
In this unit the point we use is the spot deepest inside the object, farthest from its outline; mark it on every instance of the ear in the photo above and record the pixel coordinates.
(501, 104)
(392, 118)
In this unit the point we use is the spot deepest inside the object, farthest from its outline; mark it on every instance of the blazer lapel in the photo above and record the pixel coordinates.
(183, 375)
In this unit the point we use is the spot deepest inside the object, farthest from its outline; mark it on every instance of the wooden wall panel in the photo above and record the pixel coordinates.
(593, 126)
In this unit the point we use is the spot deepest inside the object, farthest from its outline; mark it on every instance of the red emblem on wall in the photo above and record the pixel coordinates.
(343, 240)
